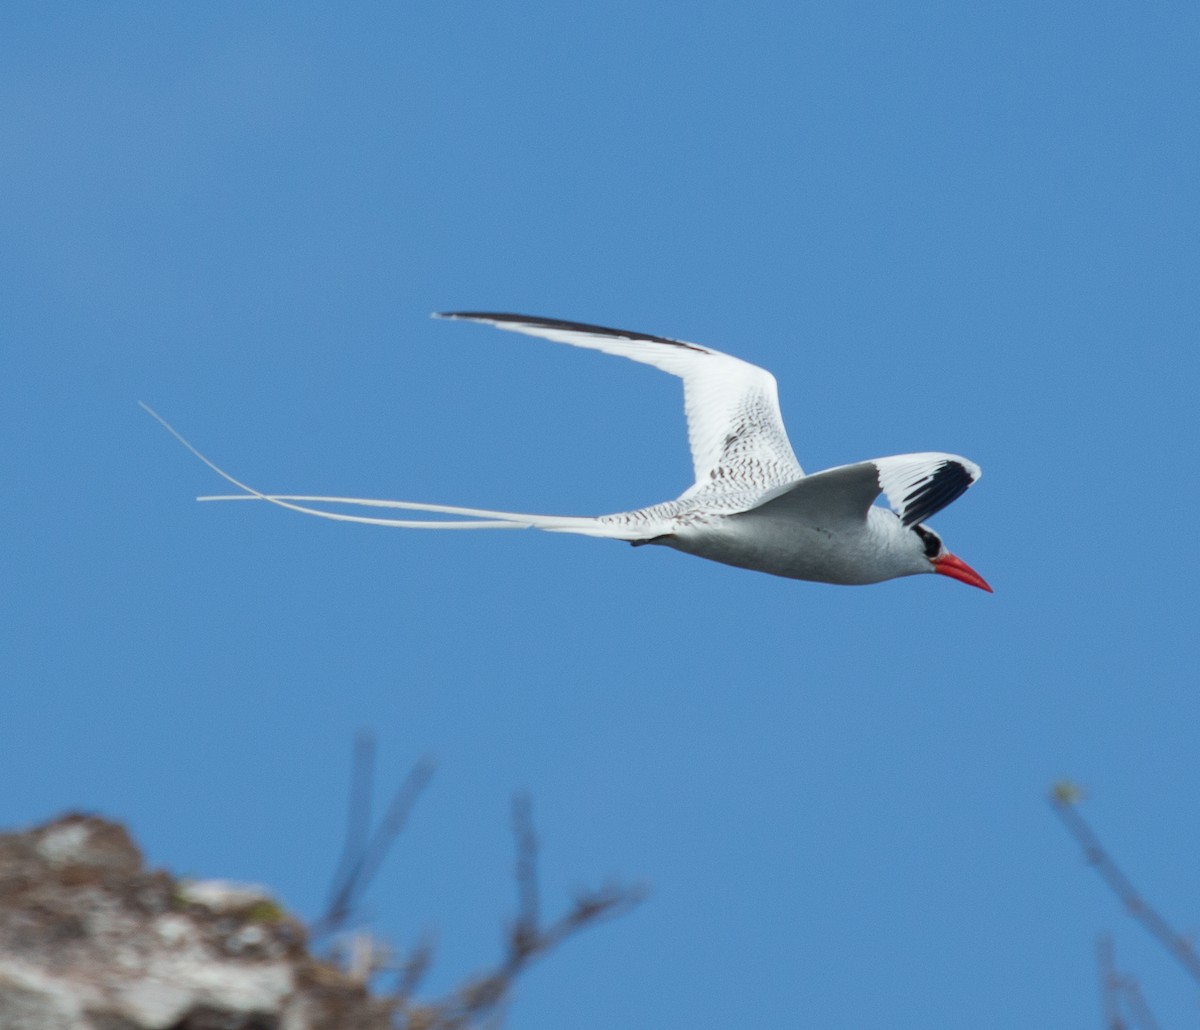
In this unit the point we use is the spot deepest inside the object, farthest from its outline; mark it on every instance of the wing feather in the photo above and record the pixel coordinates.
(916, 487)
(735, 428)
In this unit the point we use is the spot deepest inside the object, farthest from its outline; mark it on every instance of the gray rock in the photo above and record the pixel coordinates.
(91, 940)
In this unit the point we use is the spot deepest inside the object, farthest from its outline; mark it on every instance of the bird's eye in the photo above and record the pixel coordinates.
(933, 544)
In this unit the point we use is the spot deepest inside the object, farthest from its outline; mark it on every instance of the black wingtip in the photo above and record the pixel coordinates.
(490, 316)
(539, 322)
(945, 486)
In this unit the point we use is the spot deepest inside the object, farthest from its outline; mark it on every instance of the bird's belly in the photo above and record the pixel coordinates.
(781, 547)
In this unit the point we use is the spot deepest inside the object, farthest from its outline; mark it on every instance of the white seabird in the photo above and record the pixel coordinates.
(751, 504)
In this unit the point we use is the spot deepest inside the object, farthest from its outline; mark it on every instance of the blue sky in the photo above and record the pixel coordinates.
(970, 228)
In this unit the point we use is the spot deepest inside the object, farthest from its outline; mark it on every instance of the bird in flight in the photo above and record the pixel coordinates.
(751, 504)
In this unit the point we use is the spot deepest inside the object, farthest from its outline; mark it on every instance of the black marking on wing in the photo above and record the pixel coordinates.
(946, 485)
(574, 327)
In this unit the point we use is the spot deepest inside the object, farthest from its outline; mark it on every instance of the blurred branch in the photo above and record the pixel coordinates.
(1064, 800)
(358, 812)
(484, 997)
(363, 854)
(1110, 984)
(1115, 985)
(481, 1001)
(1110, 991)
(525, 930)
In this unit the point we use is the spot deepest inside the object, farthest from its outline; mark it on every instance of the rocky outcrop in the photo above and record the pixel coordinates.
(92, 940)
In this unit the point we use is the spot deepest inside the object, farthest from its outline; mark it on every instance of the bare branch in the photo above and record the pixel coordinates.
(589, 908)
(482, 999)
(362, 857)
(525, 931)
(358, 811)
(1138, 1009)
(1116, 986)
(393, 822)
(1110, 985)
(1064, 799)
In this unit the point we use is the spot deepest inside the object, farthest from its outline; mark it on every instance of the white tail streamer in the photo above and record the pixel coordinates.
(481, 518)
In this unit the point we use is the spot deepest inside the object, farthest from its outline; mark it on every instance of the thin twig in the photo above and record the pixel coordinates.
(1110, 985)
(526, 931)
(1064, 799)
(1138, 1008)
(393, 822)
(484, 997)
(589, 908)
(358, 873)
(358, 811)
(1116, 986)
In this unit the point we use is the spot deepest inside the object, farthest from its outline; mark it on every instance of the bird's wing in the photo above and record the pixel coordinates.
(735, 428)
(916, 486)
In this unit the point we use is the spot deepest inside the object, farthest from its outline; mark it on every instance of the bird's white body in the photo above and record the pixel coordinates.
(851, 554)
(751, 504)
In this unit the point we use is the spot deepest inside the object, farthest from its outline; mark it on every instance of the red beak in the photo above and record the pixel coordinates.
(956, 568)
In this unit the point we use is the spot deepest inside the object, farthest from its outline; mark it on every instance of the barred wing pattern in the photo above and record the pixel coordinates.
(735, 428)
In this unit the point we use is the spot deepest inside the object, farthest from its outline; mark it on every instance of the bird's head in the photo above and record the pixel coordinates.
(943, 562)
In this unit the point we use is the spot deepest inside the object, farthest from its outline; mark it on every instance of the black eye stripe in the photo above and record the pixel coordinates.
(933, 546)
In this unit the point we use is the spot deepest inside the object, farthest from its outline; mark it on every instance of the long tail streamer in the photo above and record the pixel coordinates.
(481, 518)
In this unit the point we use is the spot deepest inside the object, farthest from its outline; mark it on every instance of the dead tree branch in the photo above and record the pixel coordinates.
(525, 931)
(1116, 987)
(1064, 800)
(483, 997)
(1110, 985)
(481, 1001)
(358, 815)
(362, 854)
